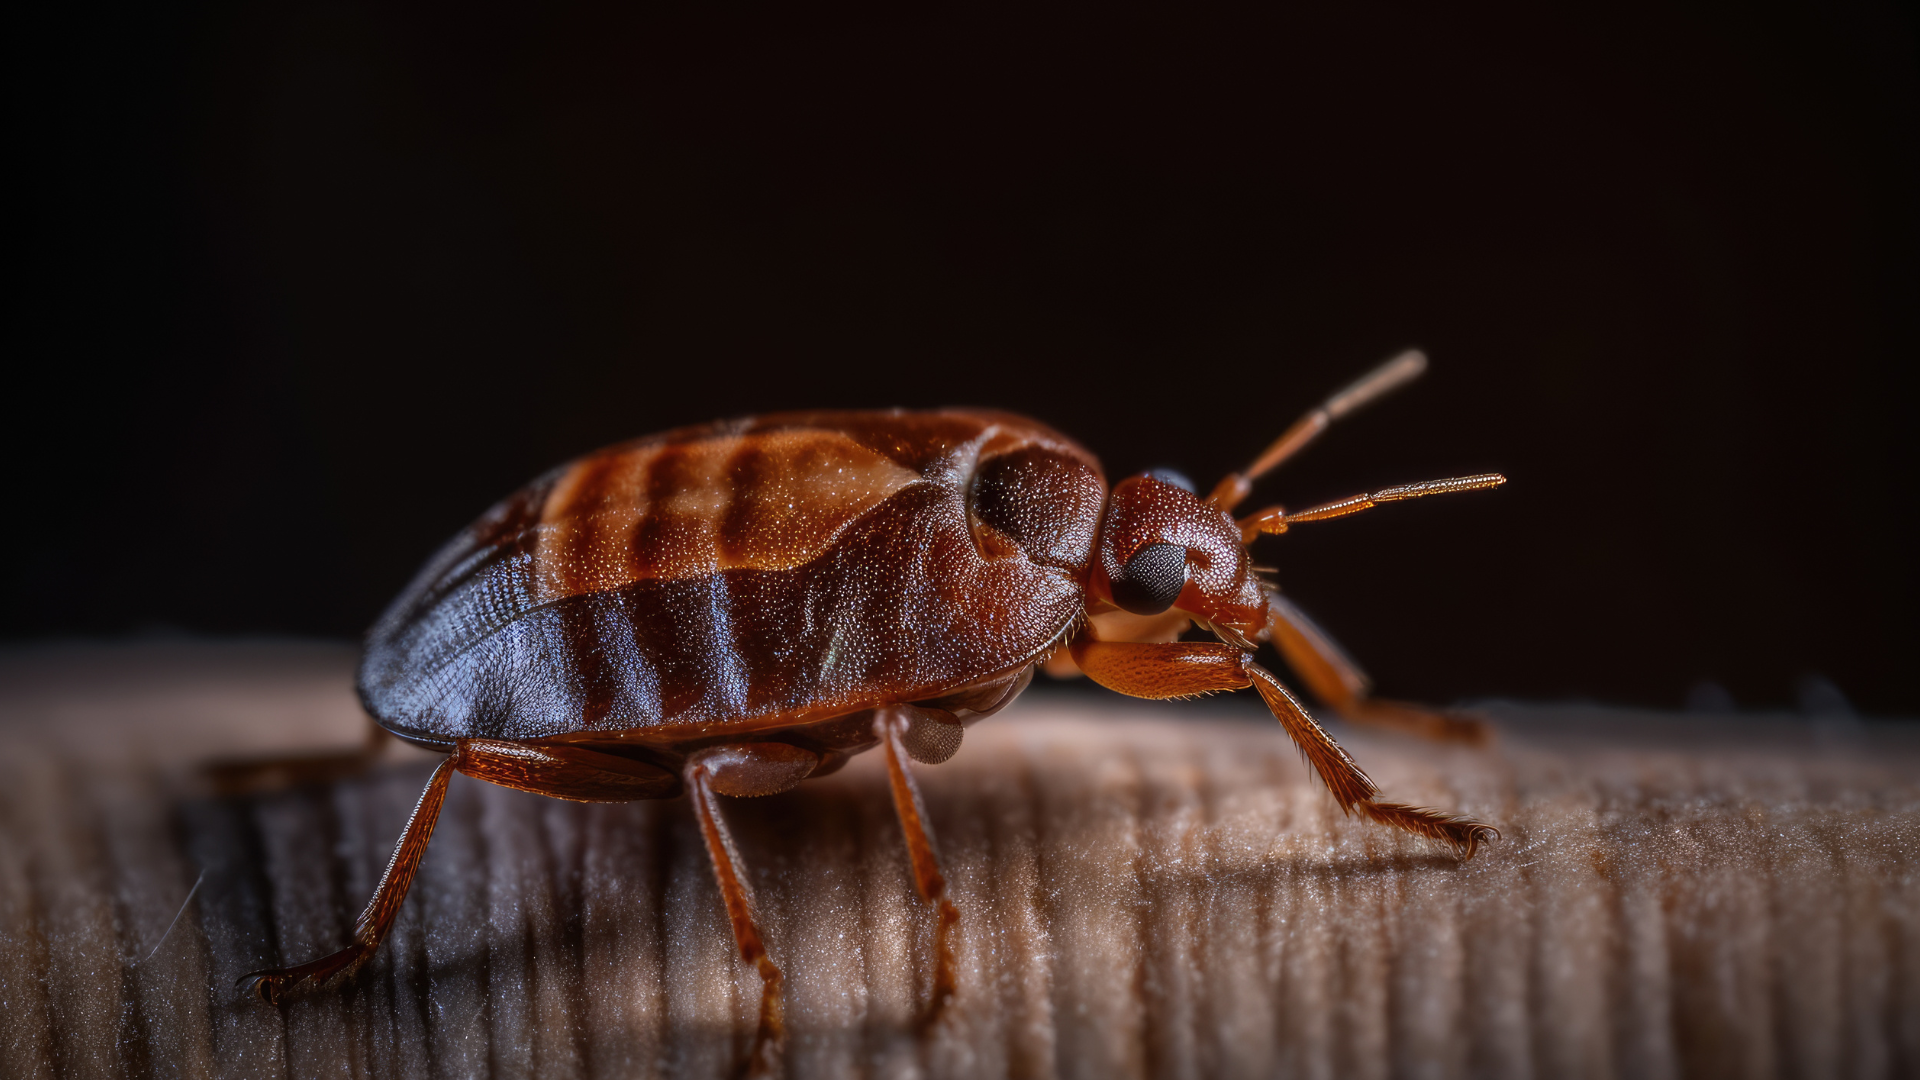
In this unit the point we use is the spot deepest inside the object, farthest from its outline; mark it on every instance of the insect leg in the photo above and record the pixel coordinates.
(891, 725)
(1353, 789)
(707, 775)
(1341, 686)
(278, 984)
(1149, 669)
(1180, 668)
(577, 773)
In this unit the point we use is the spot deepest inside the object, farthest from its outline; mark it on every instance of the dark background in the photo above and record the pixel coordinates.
(301, 288)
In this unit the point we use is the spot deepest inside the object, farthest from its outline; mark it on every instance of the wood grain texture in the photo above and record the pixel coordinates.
(1146, 891)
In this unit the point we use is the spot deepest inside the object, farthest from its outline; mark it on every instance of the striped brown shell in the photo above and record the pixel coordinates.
(745, 576)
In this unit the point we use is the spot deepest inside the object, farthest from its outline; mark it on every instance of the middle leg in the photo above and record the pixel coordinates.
(892, 725)
(746, 770)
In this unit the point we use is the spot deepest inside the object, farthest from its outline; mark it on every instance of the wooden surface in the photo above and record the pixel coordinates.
(1147, 891)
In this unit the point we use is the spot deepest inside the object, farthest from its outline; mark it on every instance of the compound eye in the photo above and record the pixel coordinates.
(1152, 579)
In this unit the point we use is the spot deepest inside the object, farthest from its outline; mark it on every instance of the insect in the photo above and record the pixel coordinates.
(728, 610)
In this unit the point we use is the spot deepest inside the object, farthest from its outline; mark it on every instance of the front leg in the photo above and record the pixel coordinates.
(1185, 668)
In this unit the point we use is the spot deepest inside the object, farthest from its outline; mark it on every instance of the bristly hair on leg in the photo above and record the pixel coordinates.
(1353, 789)
(1344, 779)
(1460, 834)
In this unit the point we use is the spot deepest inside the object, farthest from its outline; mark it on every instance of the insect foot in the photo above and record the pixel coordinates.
(284, 984)
(1464, 836)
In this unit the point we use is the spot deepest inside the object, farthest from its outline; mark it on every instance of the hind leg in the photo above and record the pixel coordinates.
(562, 772)
(278, 984)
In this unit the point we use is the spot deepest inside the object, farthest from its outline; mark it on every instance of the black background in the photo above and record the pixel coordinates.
(300, 288)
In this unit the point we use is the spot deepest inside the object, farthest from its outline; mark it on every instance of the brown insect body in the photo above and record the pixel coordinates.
(745, 578)
(732, 608)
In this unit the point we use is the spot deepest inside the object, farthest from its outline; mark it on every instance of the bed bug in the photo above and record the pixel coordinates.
(733, 608)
